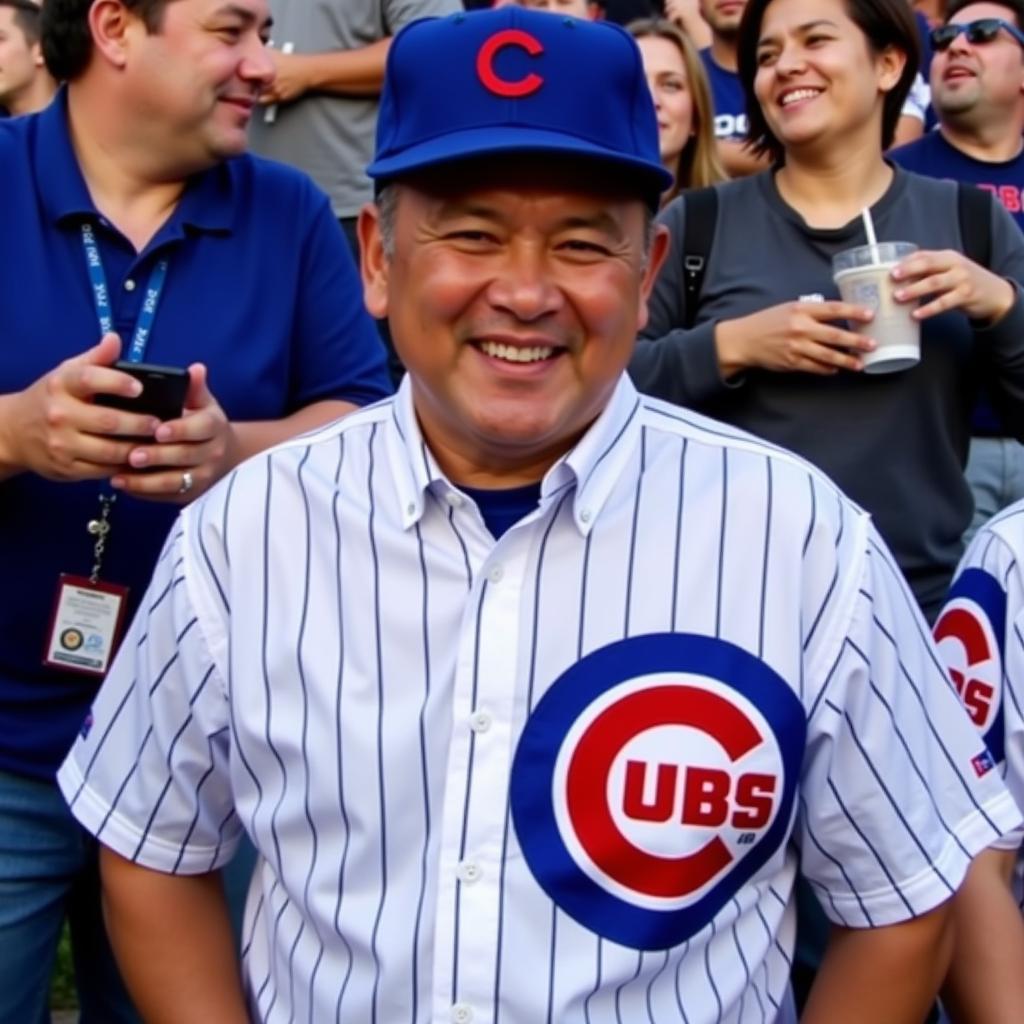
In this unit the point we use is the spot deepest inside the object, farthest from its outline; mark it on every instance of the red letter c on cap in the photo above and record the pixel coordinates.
(485, 63)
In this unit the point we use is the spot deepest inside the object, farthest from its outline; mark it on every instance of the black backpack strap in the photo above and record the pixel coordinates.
(974, 208)
(701, 211)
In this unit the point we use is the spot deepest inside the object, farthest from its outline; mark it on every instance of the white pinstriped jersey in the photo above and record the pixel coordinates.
(558, 777)
(980, 636)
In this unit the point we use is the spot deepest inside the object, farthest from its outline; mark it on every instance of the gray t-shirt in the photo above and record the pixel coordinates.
(896, 443)
(331, 137)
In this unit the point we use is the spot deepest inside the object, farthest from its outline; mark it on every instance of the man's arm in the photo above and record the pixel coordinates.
(886, 974)
(339, 72)
(986, 976)
(173, 941)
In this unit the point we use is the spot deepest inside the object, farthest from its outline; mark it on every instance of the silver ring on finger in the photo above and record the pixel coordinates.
(187, 482)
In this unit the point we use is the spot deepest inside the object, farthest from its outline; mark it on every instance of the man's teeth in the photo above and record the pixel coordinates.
(516, 354)
(799, 94)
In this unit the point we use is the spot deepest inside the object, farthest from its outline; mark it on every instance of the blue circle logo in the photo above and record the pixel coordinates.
(654, 778)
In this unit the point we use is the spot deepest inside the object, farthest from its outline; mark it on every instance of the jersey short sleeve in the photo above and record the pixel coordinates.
(980, 637)
(149, 773)
(893, 804)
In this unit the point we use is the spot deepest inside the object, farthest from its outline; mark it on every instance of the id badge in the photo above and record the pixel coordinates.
(86, 625)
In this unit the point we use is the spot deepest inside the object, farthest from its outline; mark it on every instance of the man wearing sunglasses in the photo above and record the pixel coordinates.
(25, 84)
(977, 81)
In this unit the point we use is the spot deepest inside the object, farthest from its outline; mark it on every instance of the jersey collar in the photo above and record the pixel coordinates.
(591, 468)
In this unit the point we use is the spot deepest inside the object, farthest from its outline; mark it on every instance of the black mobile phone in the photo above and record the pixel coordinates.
(163, 391)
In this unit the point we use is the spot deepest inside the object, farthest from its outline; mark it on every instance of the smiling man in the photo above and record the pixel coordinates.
(531, 691)
(135, 226)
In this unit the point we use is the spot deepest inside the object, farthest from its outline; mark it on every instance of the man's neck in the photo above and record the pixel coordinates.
(991, 144)
(123, 183)
(36, 95)
(723, 51)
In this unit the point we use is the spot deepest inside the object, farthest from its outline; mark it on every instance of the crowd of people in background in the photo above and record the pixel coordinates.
(786, 127)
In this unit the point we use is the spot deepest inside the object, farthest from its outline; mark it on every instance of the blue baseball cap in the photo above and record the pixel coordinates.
(515, 80)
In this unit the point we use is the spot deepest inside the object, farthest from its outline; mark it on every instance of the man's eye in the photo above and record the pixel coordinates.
(232, 33)
(764, 58)
(582, 245)
(473, 237)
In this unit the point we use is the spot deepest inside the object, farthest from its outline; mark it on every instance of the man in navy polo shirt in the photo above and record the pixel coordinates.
(135, 228)
(977, 80)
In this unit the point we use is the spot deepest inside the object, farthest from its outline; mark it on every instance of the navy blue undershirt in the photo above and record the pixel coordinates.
(502, 509)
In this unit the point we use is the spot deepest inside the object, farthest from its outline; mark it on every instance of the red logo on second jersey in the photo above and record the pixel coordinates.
(975, 672)
(524, 86)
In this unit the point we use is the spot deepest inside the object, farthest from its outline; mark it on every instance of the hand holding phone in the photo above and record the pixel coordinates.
(163, 391)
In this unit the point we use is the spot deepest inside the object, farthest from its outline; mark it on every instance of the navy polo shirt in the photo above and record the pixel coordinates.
(260, 286)
(727, 98)
(934, 157)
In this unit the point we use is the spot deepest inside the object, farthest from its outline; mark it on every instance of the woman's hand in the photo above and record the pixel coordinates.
(797, 336)
(951, 281)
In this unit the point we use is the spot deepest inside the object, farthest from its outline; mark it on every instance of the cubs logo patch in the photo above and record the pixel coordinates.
(654, 778)
(970, 635)
(527, 82)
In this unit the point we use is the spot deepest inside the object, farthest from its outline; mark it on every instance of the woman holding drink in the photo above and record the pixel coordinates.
(774, 349)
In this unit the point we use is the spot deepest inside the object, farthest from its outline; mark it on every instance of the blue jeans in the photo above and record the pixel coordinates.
(48, 871)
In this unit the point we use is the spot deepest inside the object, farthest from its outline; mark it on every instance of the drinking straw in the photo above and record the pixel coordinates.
(869, 230)
(270, 114)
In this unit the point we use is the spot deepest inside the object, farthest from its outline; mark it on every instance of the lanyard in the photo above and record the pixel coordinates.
(101, 296)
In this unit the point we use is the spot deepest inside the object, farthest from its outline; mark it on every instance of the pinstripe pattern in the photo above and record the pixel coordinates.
(338, 655)
(998, 549)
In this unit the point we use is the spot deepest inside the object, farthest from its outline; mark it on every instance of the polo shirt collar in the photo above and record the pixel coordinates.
(591, 468)
(208, 203)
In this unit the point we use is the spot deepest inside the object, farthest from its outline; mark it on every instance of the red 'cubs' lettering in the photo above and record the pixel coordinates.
(485, 64)
(706, 796)
(975, 694)
(633, 805)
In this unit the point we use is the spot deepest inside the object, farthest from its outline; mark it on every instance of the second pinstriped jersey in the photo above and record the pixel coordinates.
(561, 777)
(980, 636)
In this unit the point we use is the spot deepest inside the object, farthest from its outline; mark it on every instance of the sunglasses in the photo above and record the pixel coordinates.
(984, 30)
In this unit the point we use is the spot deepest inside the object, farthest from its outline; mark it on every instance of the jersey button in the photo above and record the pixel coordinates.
(469, 871)
(480, 721)
(585, 515)
(497, 574)
(129, 285)
(455, 499)
(462, 1013)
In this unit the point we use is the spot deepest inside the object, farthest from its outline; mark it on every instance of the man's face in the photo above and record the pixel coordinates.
(723, 16)
(573, 8)
(196, 79)
(20, 62)
(514, 303)
(977, 83)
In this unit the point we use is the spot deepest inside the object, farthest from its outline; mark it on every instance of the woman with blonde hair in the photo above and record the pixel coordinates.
(682, 101)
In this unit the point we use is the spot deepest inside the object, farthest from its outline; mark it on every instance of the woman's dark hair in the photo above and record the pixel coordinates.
(1015, 7)
(885, 23)
(67, 41)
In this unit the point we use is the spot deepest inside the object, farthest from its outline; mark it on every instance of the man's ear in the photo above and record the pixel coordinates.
(373, 262)
(109, 22)
(655, 258)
